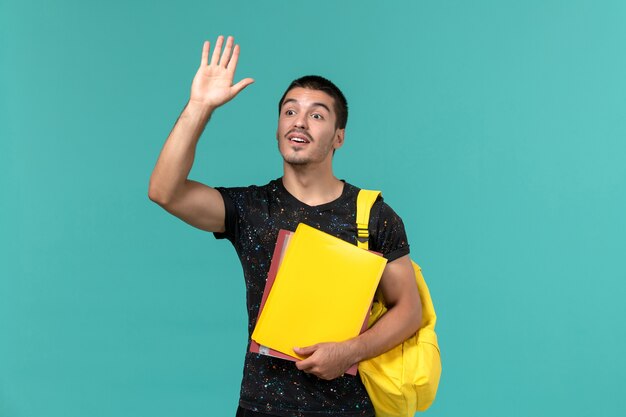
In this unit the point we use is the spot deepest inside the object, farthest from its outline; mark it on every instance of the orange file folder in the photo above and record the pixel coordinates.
(279, 250)
(322, 292)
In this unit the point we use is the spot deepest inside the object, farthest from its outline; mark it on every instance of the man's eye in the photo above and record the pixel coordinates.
(290, 112)
(316, 116)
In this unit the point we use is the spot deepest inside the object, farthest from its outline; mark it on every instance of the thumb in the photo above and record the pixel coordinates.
(305, 351)
(241, 85)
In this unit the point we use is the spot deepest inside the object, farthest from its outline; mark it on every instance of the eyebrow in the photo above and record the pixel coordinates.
(293, 100)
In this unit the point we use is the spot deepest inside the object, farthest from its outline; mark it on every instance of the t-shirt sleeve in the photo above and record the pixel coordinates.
(231, 215)
(390, 236)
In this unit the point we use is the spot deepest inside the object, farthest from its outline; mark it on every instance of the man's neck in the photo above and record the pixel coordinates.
(313, 187)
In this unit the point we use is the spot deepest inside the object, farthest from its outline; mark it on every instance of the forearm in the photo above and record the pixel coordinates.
(330, 360)
(394, 327)
(402, 319)
(178, 153)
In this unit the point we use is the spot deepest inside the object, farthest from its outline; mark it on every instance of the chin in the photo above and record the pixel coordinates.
(293, 158)
(295, 161)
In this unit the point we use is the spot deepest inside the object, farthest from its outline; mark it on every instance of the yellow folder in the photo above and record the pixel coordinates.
(322, 292)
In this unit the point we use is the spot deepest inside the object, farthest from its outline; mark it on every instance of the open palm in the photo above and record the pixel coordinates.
(212, 85)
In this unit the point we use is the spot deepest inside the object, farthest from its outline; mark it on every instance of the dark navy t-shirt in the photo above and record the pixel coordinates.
(254, 215)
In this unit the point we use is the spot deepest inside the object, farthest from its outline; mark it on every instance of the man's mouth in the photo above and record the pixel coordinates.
(298, 137)
(298, 140)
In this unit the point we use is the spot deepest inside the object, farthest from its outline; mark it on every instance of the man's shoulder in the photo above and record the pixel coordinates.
(381, 211)
(354, 191)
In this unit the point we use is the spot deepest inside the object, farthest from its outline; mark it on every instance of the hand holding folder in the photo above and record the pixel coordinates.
(322, 292)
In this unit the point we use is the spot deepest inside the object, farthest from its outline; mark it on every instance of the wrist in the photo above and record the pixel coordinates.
(199, 109)
(356, 350)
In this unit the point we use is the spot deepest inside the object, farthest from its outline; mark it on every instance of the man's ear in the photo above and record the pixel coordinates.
(339, 138)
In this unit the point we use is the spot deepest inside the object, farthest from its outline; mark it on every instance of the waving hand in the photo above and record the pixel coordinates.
(213, 85)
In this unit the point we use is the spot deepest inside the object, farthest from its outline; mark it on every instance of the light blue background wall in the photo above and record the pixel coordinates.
(495, 128)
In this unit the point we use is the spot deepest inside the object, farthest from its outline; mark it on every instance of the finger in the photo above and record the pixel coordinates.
(217, 50)
(305, 365)
(304, 351)
(232, 64)
(205, 54)
(228, 49)
(240, 86)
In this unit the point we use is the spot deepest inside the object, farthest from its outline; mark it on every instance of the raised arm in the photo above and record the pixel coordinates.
(195, 203)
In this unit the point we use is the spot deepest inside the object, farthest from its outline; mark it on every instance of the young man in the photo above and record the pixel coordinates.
(311, 126)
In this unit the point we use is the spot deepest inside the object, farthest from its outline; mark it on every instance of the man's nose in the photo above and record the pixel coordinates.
(301, 121)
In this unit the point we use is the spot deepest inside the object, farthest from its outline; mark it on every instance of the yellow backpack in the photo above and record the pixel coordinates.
(404, 379)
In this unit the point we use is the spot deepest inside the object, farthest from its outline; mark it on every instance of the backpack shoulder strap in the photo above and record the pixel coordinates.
(364, 202)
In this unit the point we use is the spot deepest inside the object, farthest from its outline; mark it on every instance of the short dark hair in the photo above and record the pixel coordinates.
(315, 82)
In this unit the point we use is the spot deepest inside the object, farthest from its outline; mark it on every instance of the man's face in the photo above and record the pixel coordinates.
(306, 127)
